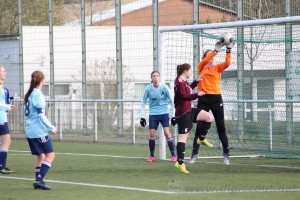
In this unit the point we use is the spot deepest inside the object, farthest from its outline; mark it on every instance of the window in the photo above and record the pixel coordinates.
(265, 91)
(46, 90)
(139, 89)
(61, 89)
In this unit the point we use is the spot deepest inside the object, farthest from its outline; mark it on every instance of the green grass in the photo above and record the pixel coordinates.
(134, 172)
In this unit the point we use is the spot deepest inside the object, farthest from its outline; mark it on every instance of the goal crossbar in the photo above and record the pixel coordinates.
(230, 24)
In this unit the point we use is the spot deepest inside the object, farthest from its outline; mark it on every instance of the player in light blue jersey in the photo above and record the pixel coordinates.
(4, 130)
(158, 95)
(37, 128)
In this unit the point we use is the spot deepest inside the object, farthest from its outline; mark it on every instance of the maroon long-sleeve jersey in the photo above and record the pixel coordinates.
(183, 96)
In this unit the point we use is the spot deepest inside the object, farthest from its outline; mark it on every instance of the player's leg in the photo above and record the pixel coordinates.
(218, 112)
(202, 105)
(185, 124)
(46, 165)
(5, 144)
(39, 159)
(204, 120)
(153, 124)
(182, 138)
(164, 120)
(43, 149)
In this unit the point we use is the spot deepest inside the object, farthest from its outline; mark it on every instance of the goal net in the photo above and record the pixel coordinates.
(260, 89)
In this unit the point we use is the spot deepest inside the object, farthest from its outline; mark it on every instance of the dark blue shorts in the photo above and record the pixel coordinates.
(40, 146)
(4, 129)
(154, 121)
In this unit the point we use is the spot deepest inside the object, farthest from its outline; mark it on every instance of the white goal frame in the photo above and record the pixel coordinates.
(162, 30)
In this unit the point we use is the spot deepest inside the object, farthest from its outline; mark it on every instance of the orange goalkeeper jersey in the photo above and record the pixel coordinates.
(211, 77)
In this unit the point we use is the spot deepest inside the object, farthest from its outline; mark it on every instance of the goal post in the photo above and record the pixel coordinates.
(262, 114)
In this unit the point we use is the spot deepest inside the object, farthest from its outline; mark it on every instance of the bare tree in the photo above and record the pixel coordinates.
(102, 84)
(34, 13)
(73, 11)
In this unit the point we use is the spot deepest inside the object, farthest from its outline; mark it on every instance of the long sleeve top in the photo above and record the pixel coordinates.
(37, 124)
(183, 96)
(211, 77)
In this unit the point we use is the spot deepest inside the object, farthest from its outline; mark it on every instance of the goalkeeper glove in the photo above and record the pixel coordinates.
(143, 122)
(218, 46)
(229, 46)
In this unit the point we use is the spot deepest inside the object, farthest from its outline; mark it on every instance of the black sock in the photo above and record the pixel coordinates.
(202, 129)
(195, 145)
(171, 146)
(180, 152)
(152, 146)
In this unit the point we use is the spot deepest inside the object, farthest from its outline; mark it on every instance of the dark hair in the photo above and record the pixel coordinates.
(153, 72)
(205, 53)
(182, 68)
(36, 79)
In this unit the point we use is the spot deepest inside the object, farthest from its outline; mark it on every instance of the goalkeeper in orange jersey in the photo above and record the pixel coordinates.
(212, 100)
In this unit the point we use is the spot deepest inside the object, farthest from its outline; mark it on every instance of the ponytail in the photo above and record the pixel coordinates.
(36, 79)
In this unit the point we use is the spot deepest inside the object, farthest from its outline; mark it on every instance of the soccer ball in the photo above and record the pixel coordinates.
(226, 38)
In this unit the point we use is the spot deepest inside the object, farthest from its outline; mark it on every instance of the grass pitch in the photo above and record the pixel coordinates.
(103, 171)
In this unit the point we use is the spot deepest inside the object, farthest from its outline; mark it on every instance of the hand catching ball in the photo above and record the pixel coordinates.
(226, 38)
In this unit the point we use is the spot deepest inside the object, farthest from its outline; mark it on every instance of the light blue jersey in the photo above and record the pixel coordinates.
(158, 100)
(4, 105)
(37, 124)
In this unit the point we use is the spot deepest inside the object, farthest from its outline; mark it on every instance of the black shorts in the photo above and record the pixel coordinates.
(185, 121)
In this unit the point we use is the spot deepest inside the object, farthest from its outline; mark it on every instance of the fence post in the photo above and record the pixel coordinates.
(59, 121)
(132, 123)
(95, 122)
(270, 126)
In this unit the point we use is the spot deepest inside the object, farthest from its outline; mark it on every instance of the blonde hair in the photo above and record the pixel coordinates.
(2, 83)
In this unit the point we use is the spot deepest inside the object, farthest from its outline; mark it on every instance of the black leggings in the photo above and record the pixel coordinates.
(215, 104)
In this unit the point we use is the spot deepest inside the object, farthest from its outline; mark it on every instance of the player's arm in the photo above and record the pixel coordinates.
(143, 102)
(143, 105)
(227, 62)
(194, 83)
(7, 101)
(5, 107)
(38, 104)
(222, 66)
(182, 93)
(45, 120)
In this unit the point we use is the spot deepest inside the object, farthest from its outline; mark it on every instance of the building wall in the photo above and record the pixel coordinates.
(9, 58)
(171, 13)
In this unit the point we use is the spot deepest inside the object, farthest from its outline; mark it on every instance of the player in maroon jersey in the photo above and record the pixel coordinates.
(185, 115)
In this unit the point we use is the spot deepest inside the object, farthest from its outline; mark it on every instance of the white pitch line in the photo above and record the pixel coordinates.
(93, 185)
(251, 165)
(82, 154)
(159, 191)
(132, 157)
(245, 191)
